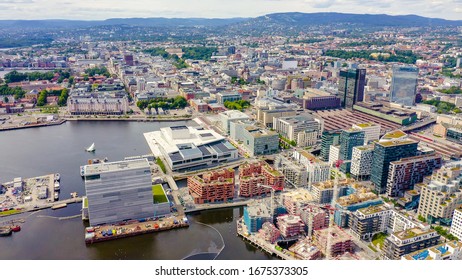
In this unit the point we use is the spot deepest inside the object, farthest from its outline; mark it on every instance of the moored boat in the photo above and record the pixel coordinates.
(91, 148)
(16, 228)
(5, 231)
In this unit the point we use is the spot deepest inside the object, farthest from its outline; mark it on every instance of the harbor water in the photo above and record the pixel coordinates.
(59, 234)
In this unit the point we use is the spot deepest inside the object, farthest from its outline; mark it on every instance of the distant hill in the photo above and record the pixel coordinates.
(306, 19)
(146, 22)
(267, 21)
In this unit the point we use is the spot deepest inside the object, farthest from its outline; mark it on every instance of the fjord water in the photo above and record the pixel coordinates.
(39, 151)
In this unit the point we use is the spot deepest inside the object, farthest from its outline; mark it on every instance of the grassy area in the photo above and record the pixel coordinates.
(158, 194)
(9, 212)
(161, 165)
(379, 239)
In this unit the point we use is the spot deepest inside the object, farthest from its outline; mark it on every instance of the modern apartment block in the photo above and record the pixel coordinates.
(447, 251)
(442, 195)
(405, 242)
(212, 186)
(295, 173)
(254, 179)
(269, 232)
(295, 200)
(454, 134)
(318, 171)
(314, 217)
(371, 131)
(323, 191)
(290, 225)
(255, 215)
(328, 138)
(406, 172)
(456, 225)
(361, 162)
(231, 116)
(392, 147)
(256, 140)
(366, 222)
(334, 154)
(291, 127)
(351, 201)
(269, 108)
(118, 191)
(340, 241)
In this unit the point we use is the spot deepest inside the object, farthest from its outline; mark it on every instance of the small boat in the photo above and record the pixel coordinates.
(57, 177)
(5, 231)
(91, 148)
(16, 228)
(56, 196)
(57, 186)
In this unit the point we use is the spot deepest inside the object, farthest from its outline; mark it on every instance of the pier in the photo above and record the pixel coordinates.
(133, 228)
(261, 243)
(31, 194)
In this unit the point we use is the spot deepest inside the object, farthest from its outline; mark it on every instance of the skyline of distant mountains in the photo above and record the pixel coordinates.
(279, 19)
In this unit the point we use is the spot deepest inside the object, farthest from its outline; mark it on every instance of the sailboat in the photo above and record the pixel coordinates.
(91, 148)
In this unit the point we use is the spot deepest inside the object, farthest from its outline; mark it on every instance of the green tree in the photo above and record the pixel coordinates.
(71, 80)
(62, 100)
(5, 99)
(42, 98)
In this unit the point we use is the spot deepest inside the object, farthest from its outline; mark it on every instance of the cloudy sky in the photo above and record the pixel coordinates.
(103, 9)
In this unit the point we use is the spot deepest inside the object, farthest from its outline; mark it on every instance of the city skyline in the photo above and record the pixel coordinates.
(105, 9)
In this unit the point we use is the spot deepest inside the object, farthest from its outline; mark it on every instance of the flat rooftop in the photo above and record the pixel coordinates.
(371, 210)
(300, 195)
(366, 125)
(233, 114)
(411, 233)
(115, 166)
(175, 139)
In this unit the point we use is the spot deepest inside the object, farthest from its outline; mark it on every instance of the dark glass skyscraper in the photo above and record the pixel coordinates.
(348, 140)
(404, 85)
(386, 152)
(351, 87)
(328, 138)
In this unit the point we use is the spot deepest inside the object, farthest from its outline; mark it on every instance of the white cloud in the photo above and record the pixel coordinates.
(102, 9)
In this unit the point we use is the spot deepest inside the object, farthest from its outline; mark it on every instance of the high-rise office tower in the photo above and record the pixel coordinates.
(328, 138)
(119, 191)
(404, 85)
(348, 140)
(392, 147)
(351, 86)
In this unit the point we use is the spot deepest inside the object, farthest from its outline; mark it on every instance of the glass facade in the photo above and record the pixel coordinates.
(351, 87)
(404, 85)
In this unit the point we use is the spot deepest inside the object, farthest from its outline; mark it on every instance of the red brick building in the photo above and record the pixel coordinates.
(252, 175)
(290, 225)
(212, 186)
(340, 242)
(199, 105)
